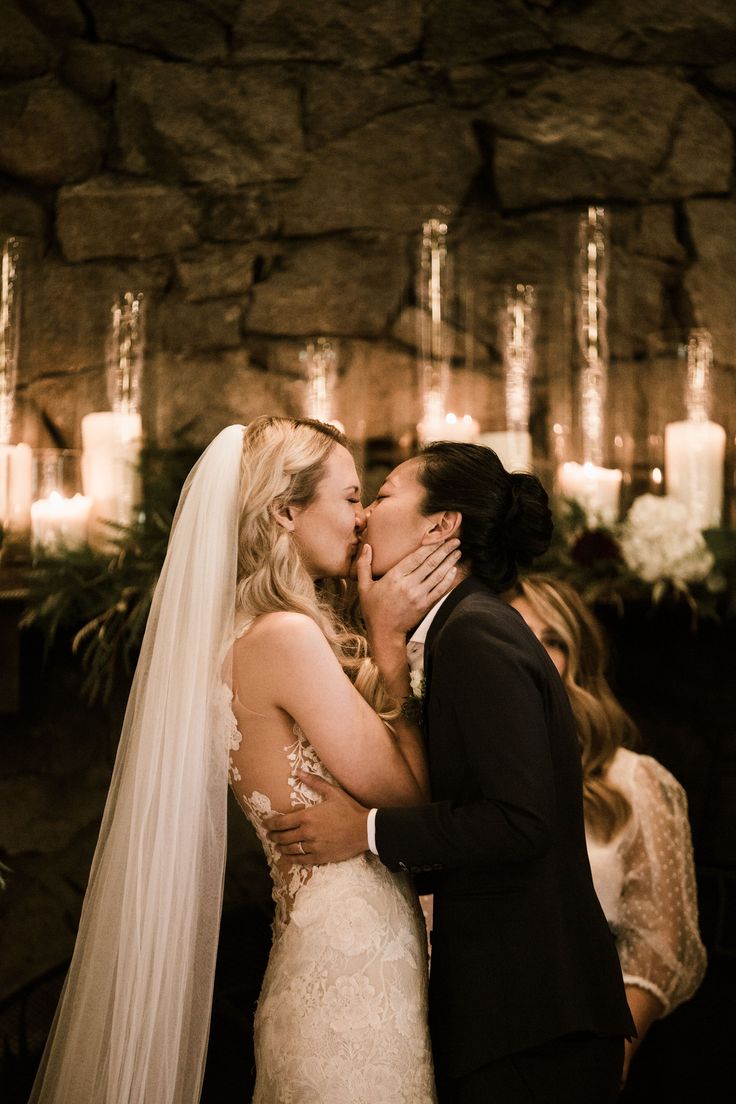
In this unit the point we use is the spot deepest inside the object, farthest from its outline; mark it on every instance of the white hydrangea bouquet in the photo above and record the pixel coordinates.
(662, 544)
(658, 552)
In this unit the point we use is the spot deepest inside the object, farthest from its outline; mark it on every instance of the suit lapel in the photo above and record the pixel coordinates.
(468, 586)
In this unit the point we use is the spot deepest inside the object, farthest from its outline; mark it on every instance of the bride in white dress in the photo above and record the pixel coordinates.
(247, 672)
(342, 1013)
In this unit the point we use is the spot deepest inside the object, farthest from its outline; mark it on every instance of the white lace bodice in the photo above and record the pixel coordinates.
(342, 1015)
(287, 877)
(645, 881)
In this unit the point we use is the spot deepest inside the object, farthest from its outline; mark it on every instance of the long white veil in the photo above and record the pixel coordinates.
(133, 1019)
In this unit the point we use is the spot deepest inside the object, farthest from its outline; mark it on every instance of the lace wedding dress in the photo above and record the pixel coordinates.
(342, 1015)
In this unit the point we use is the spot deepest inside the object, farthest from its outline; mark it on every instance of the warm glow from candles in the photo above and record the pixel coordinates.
(596, 489)
(112, 443)
(695, 449)
(59, 523)
(448, 427)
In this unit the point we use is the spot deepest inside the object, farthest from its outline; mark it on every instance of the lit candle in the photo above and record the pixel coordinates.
(597, 490)
(59, 523)
(449, 428)
(695, 449)
(16, 468)
(112, 443)
(694, 455)
(656, 480)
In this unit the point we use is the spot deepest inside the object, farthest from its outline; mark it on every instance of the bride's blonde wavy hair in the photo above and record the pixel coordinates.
(283, 462)
(602, 724)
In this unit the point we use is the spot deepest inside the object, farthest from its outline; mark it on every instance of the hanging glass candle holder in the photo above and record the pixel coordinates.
(59, 513)
(518, 330)
(595, 487)
(695, 448)
(113, 439)
(435, 339)
(15, 459)
(318, 360)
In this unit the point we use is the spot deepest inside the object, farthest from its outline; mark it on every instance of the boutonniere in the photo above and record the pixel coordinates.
(413, 705)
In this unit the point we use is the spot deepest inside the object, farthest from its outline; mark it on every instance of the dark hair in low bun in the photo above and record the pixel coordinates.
(506, 523)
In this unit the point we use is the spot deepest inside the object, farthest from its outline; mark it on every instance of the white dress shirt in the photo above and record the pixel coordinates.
(415, 658)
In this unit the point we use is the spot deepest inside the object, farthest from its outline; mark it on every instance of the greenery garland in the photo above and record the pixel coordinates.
(104, 597)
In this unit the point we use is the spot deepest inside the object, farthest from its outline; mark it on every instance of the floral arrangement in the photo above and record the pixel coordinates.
(660, 543)
(656, 554)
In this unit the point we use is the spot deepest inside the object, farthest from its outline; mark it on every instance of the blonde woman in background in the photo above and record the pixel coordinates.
(636, 820)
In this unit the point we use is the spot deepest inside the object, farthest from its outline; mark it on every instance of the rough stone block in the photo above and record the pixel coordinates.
(647, 30)
(657, 236)
(47, 134)
(21, 216)
(65, 14)
(24, 52)
(107, 217)
(171, 28)
(200, 326)
(66, 319)
(612, 133)
(465, 30)
(250, 212)
(197, 395)
(220, 126)
(214, 271)
(391, 174)
(334, 30)
(723, 76)
(61, 401)
(89, 68)
(377, 394)
(331, 287)
(340, 100)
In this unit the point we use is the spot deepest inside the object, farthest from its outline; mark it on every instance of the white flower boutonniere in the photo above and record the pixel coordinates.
(413, 705)
(416, 682)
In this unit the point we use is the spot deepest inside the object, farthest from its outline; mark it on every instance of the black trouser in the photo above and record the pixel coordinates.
(574, 1069)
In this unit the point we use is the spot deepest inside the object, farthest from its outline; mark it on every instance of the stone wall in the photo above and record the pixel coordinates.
(261, 171)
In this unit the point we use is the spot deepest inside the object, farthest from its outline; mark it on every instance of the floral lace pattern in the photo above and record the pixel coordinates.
(645, 881)
(342, 1015)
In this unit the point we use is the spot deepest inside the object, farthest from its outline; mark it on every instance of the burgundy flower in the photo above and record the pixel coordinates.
(595, 545)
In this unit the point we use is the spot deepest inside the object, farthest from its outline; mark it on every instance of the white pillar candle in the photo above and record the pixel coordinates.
(59, 523)
(448, 427)
(597, 490)
(694, 453)
(512, 446)
(111, 451)
(16, 478)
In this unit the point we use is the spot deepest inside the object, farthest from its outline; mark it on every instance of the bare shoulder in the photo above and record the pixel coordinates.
(284, 635)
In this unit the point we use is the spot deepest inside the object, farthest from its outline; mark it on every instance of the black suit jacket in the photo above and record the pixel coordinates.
(521, 951)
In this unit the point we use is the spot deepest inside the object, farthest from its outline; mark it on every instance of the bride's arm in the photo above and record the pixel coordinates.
(287, 662)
